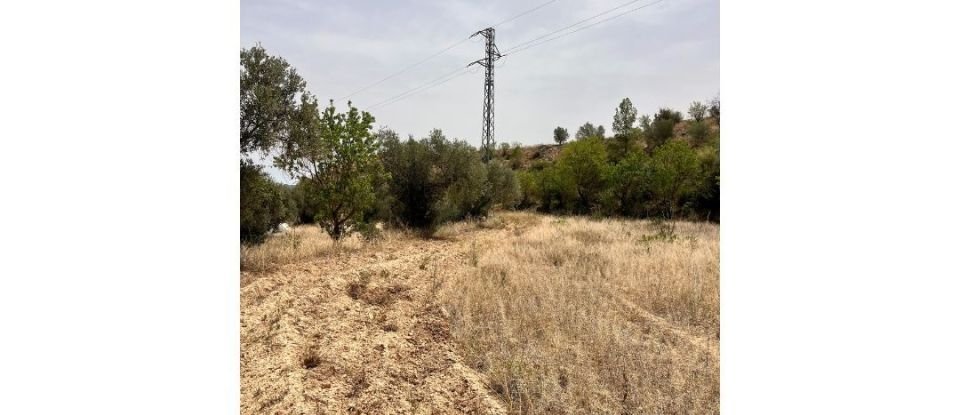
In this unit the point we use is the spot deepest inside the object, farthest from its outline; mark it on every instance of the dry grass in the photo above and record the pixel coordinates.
(519, 313)
(580, 316)
(303, 243)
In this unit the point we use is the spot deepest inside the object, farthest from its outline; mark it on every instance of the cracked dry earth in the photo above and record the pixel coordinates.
(358, 333)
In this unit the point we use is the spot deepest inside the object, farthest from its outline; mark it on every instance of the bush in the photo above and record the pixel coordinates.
(698, 132)
(629, 190)
(504, 187)
(264, 204)
(585, 161)
(707, 202)
(661, 129)
(556, 189)
(529, 189)
(675, 176)
(434, 180)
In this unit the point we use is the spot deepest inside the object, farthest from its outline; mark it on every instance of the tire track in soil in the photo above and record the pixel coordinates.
(358, 333)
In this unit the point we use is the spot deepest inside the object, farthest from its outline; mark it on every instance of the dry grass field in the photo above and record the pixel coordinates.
(521, 313)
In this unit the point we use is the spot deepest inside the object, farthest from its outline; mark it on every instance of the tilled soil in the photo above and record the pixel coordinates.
(359, 333)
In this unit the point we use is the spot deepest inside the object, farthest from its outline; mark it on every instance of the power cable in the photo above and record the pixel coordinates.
(434, 83)
(517, 49)
(521, 44)
(405, 69)
(441, 52)
(523, 14)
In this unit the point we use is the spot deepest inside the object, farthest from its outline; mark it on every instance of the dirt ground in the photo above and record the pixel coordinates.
(359, 332)
(365, 327)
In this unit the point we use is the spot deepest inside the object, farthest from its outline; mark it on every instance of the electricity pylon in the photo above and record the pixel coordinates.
(487, 139)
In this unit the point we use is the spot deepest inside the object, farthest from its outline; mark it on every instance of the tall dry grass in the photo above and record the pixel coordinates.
(303, 243)
(581, 316)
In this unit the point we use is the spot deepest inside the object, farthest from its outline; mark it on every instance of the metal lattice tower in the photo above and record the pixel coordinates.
(487, 140)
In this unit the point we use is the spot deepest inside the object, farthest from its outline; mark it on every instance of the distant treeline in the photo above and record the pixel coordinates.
(350, 176)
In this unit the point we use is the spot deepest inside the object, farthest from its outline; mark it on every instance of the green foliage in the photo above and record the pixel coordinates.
(268, 90)
(623, 144)
(630, 182)
(555, 189)
(660, 131)
(697, 110)
(560, 135)
(336, 152)
(662, 127)
(676, 176)
(414, 188)
(624, 117)
(529, 189)
(434, 180)
(698, 131)
(504, 188)
(588, 130)
(585, 162)
(516, 157)
(644, 123)
(707, 202)
(264, 204)
(668, 114)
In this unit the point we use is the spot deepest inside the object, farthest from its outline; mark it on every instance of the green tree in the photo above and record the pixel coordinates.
(268, 98)
(264, 204)
(630, 181)
(589, 130)
(697, 110)
(644, 123)
(676, 175)
(555, 188)
(585, 161)
(662, 127)
(708, 195)
(560, 135)
(414, 187)
(504, 188)
(623, 144)
(434, 180)
(624, 117)
(698, 131)
(336, 152)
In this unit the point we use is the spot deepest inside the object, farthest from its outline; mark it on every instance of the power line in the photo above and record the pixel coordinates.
(523, 14)
(434, 83)
(521, 44)
(518, 49)
(441, 52)
(407, 68)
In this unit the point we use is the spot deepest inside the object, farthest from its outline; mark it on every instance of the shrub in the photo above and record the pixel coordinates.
(264, 204)
(504, 187)
(556, 189)
(629, 190)
(434, 180)
(585, 161)
(675, 176)
(698, 131)
(662, 127)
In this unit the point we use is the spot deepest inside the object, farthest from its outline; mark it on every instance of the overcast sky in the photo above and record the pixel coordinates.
(667, 54)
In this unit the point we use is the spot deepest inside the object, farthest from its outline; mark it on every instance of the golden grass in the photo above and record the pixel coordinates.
(579, 316)
(303, 243)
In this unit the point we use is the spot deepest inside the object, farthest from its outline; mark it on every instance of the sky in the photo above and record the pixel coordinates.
(665, 55)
